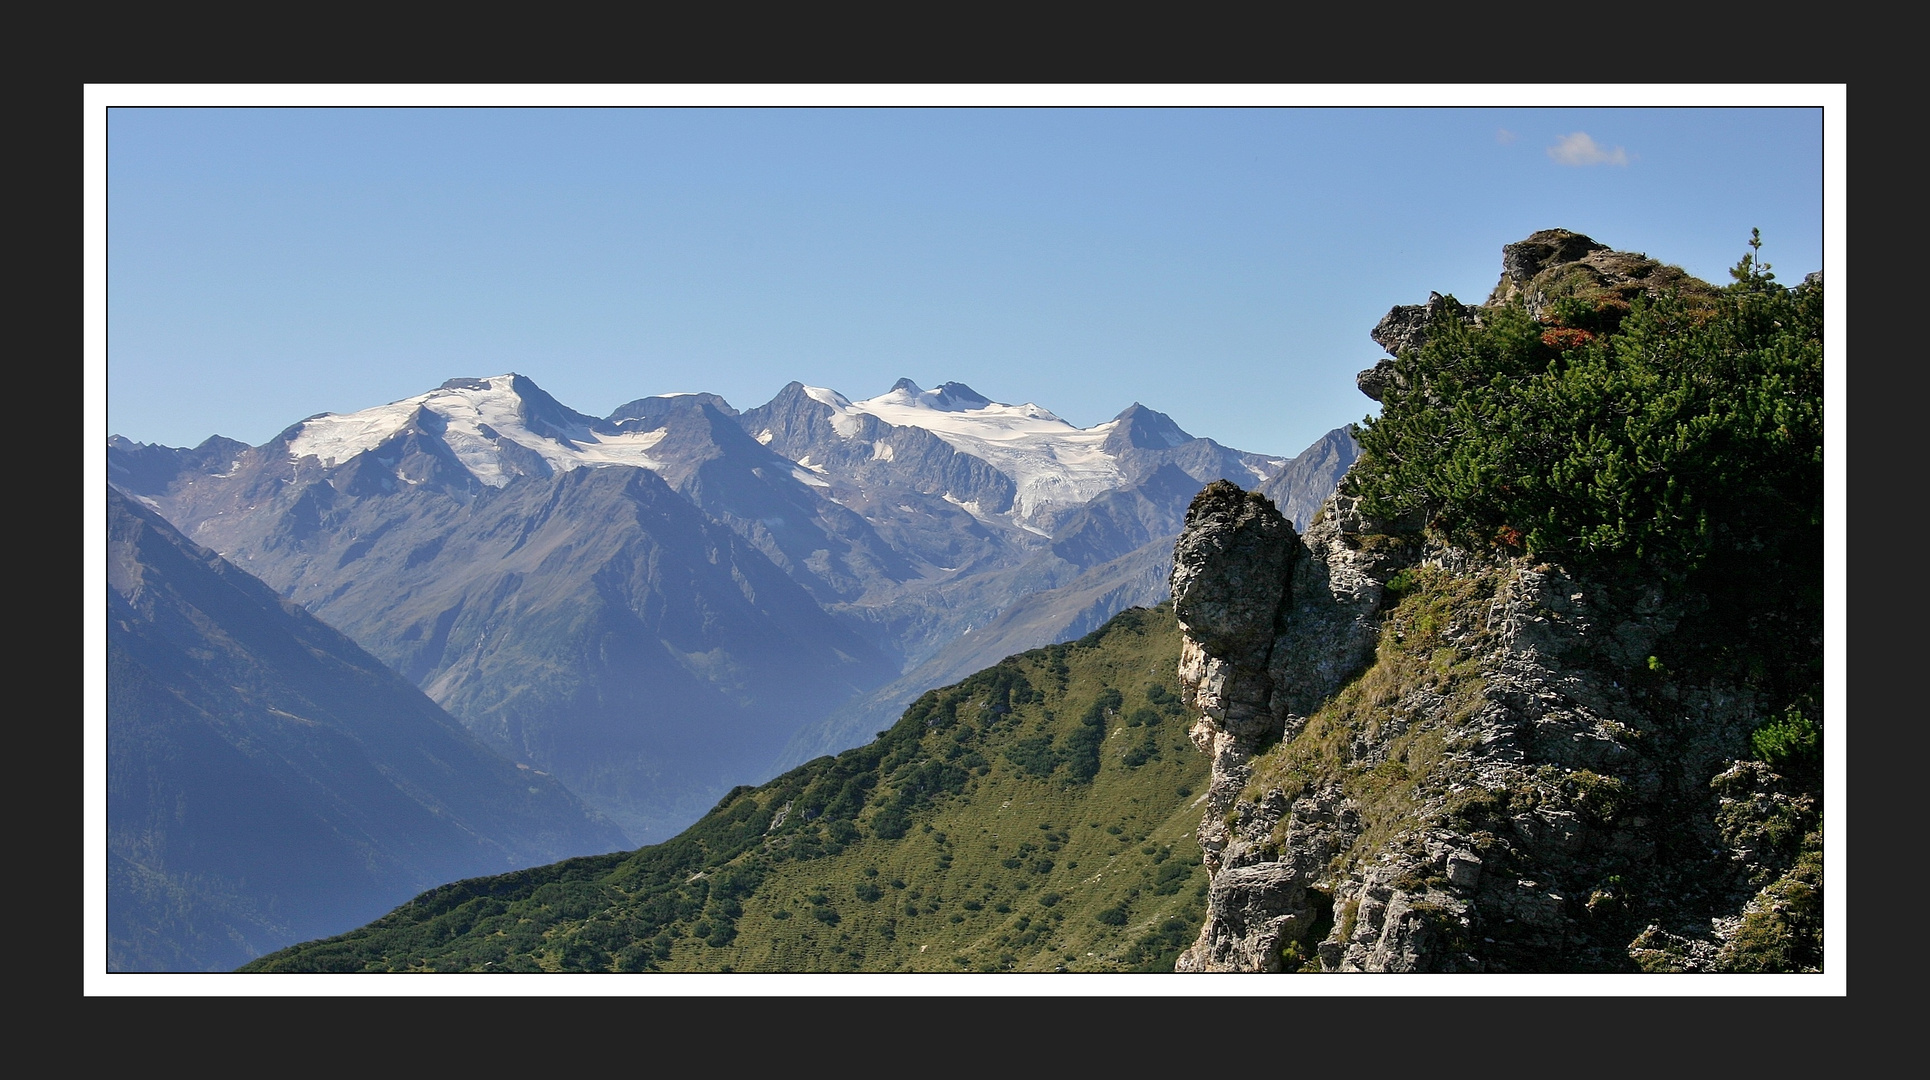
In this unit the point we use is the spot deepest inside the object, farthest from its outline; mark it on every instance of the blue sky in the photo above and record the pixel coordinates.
(1223, 265)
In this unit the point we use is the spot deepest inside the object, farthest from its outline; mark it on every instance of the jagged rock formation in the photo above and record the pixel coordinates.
(1404, 329)
(1272, 624)
(1429, 759)
(1504, 786)
(1229, 569)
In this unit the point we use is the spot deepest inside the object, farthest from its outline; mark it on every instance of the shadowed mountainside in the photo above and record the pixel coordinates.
(269, 781)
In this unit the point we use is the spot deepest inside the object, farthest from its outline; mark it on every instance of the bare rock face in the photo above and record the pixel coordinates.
(1230, 569)
(1536, 812)
(1263, 911)
(1254, 909)
(1404, 327)
(1332, 610)
(1521, 261)
(1376, 380)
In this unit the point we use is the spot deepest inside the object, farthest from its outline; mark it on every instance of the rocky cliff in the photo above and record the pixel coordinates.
(1433, 759)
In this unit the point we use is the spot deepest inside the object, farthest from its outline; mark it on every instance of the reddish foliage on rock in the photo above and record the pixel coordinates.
(1565, 338)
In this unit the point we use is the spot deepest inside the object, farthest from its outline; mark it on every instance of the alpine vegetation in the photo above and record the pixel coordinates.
(1037, 816)
(1540, 688)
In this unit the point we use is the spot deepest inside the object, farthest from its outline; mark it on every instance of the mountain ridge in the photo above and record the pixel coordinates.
(410, 527)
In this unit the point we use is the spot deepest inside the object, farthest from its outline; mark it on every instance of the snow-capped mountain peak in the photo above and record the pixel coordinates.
(480, 420)
(1053, 463)
(952, 397)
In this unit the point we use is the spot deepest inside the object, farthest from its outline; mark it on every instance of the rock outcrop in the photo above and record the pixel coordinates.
(1230, 570)
(1404, 327)
(1432, 760)
(1485, 788)
(1548, 266)
(1555, 263)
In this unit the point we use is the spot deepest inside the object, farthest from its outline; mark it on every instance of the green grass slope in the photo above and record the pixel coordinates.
(1037, 816)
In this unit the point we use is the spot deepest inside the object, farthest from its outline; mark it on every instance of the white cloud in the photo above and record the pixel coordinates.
(1504, 136)
(1578, 149)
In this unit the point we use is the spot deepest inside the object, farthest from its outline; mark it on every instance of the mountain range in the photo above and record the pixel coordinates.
(659, 604)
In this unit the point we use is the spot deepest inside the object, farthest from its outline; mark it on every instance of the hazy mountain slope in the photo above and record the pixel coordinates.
(599, 626)
(1050, 615)
(1305, 482)
(530, 568)
(1033, 817)
(1110, 554)
(269, 781)
(150, 470)
(645, 652)
(782, 509)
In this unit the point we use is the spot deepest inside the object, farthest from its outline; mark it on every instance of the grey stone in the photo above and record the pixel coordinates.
(1377, 380)
(1464, 870)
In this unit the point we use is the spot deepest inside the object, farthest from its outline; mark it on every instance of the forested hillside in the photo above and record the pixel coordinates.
(1036, 816)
